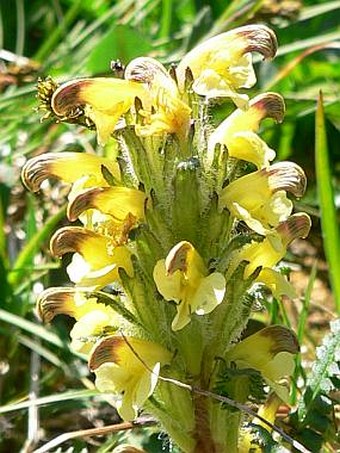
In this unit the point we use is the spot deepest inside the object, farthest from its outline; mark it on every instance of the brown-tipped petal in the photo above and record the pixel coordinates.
(102, 93)
(73, 239)
(66, 166)
(105, 351)
(271, 104)
(296, 226)
(118, 202)
(287, 176)
(54, 301)
(177, 258)
(259, 38)
(67, 98)
(284, 340)
(145, 70)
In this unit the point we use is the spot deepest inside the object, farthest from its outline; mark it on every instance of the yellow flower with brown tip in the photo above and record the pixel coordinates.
(183, 278)
(270, 351)
(128, 367)
(259, 198)
(68, 167)
(102, 100)
(238, 131)
(110, 211)
(92, 316)
(96, 261)
(167, 113)
(223, 64)
(272, 249)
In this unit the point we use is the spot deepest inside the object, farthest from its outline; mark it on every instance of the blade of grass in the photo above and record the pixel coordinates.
(20, 38)
(316, 10)
(27, 253)
(299, 371)
(32, 328)
(307, 43)
(329, 225)
(291, 65)
(60, 31)
(52, 399)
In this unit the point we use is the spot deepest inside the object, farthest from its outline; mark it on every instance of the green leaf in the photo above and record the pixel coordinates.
(329, 224)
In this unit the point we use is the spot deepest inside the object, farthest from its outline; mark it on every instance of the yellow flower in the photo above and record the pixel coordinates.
(93, 317)
(272, 249)
(68, 167)
(167, 112)
(271, 352)
(96, 262)
(183, 278)
(102, 100)
(237, 131)
(128, 367)
(110, 211)
(222, 65)
(259, 199)
(276, 282)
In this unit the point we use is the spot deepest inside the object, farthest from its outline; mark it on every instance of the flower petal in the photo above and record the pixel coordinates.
(96, 262)
(104, 101)
(67, 166)
(237, 131)
(276, 282)
(226, 58)
(128, 366)
(271, 352)
(118, 202)
(259, 198)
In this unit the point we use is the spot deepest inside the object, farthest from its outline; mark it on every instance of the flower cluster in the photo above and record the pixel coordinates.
(179, 227)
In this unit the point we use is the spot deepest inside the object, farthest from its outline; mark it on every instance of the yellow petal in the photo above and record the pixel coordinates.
(270, 351)
(130, 367)
(276, 282)
(118, 202)
(168, 285)
(226, 57)
(67, 166)
(167, 112)
(237, 131)
(96, 262)
(182, 277)
(90, 325)
(68, 301)
(104, 101)
(259, 198)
